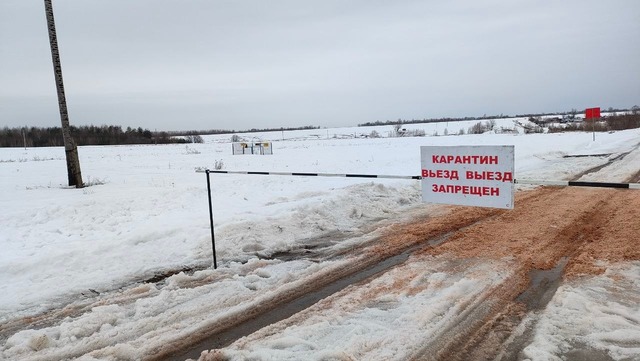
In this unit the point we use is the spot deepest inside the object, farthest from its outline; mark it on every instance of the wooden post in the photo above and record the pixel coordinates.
(70, 149)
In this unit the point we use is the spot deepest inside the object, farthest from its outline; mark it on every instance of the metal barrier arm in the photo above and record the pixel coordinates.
(578, 184)
(306, 174)
(417, 177)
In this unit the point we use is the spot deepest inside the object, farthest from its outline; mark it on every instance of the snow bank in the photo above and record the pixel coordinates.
(135, 321)
(591, 315)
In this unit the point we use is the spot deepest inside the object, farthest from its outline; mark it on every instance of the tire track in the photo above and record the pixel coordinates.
(553, 228)
(610, 162)
(400, 241)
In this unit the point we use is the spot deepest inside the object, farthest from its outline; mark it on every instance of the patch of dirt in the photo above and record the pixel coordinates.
(452, 221)
(553, 224)
(615, 237)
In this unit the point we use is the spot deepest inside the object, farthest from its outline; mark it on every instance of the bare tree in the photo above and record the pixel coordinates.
(71, 151)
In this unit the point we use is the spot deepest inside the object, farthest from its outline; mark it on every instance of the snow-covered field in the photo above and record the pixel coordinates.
(145, 213)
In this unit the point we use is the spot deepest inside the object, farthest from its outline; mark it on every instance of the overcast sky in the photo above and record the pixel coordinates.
(204, 64)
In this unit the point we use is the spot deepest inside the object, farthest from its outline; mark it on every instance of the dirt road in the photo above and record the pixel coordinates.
(549, 228)
(553, 234)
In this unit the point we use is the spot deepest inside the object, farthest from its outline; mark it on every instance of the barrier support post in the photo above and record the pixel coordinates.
(213, 237)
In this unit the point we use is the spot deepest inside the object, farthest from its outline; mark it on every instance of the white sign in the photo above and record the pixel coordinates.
(468, 175)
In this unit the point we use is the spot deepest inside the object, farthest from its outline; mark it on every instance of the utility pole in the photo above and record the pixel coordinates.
(70, 149)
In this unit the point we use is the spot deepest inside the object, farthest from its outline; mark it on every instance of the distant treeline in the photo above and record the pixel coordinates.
(484, 117)
(431, 120)
(87, 135)
(226, 131)
(606, 124)
(112, 135)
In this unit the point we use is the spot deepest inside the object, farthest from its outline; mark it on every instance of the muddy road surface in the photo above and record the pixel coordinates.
(553, 235)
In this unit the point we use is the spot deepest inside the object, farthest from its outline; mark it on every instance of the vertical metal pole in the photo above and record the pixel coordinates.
(213, 237)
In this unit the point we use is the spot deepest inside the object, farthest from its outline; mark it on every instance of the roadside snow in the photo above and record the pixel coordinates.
(592, 314)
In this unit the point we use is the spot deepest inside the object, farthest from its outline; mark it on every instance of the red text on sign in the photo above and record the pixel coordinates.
(486, 175)
(477, 191)
(464, 159)
(445, 174)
